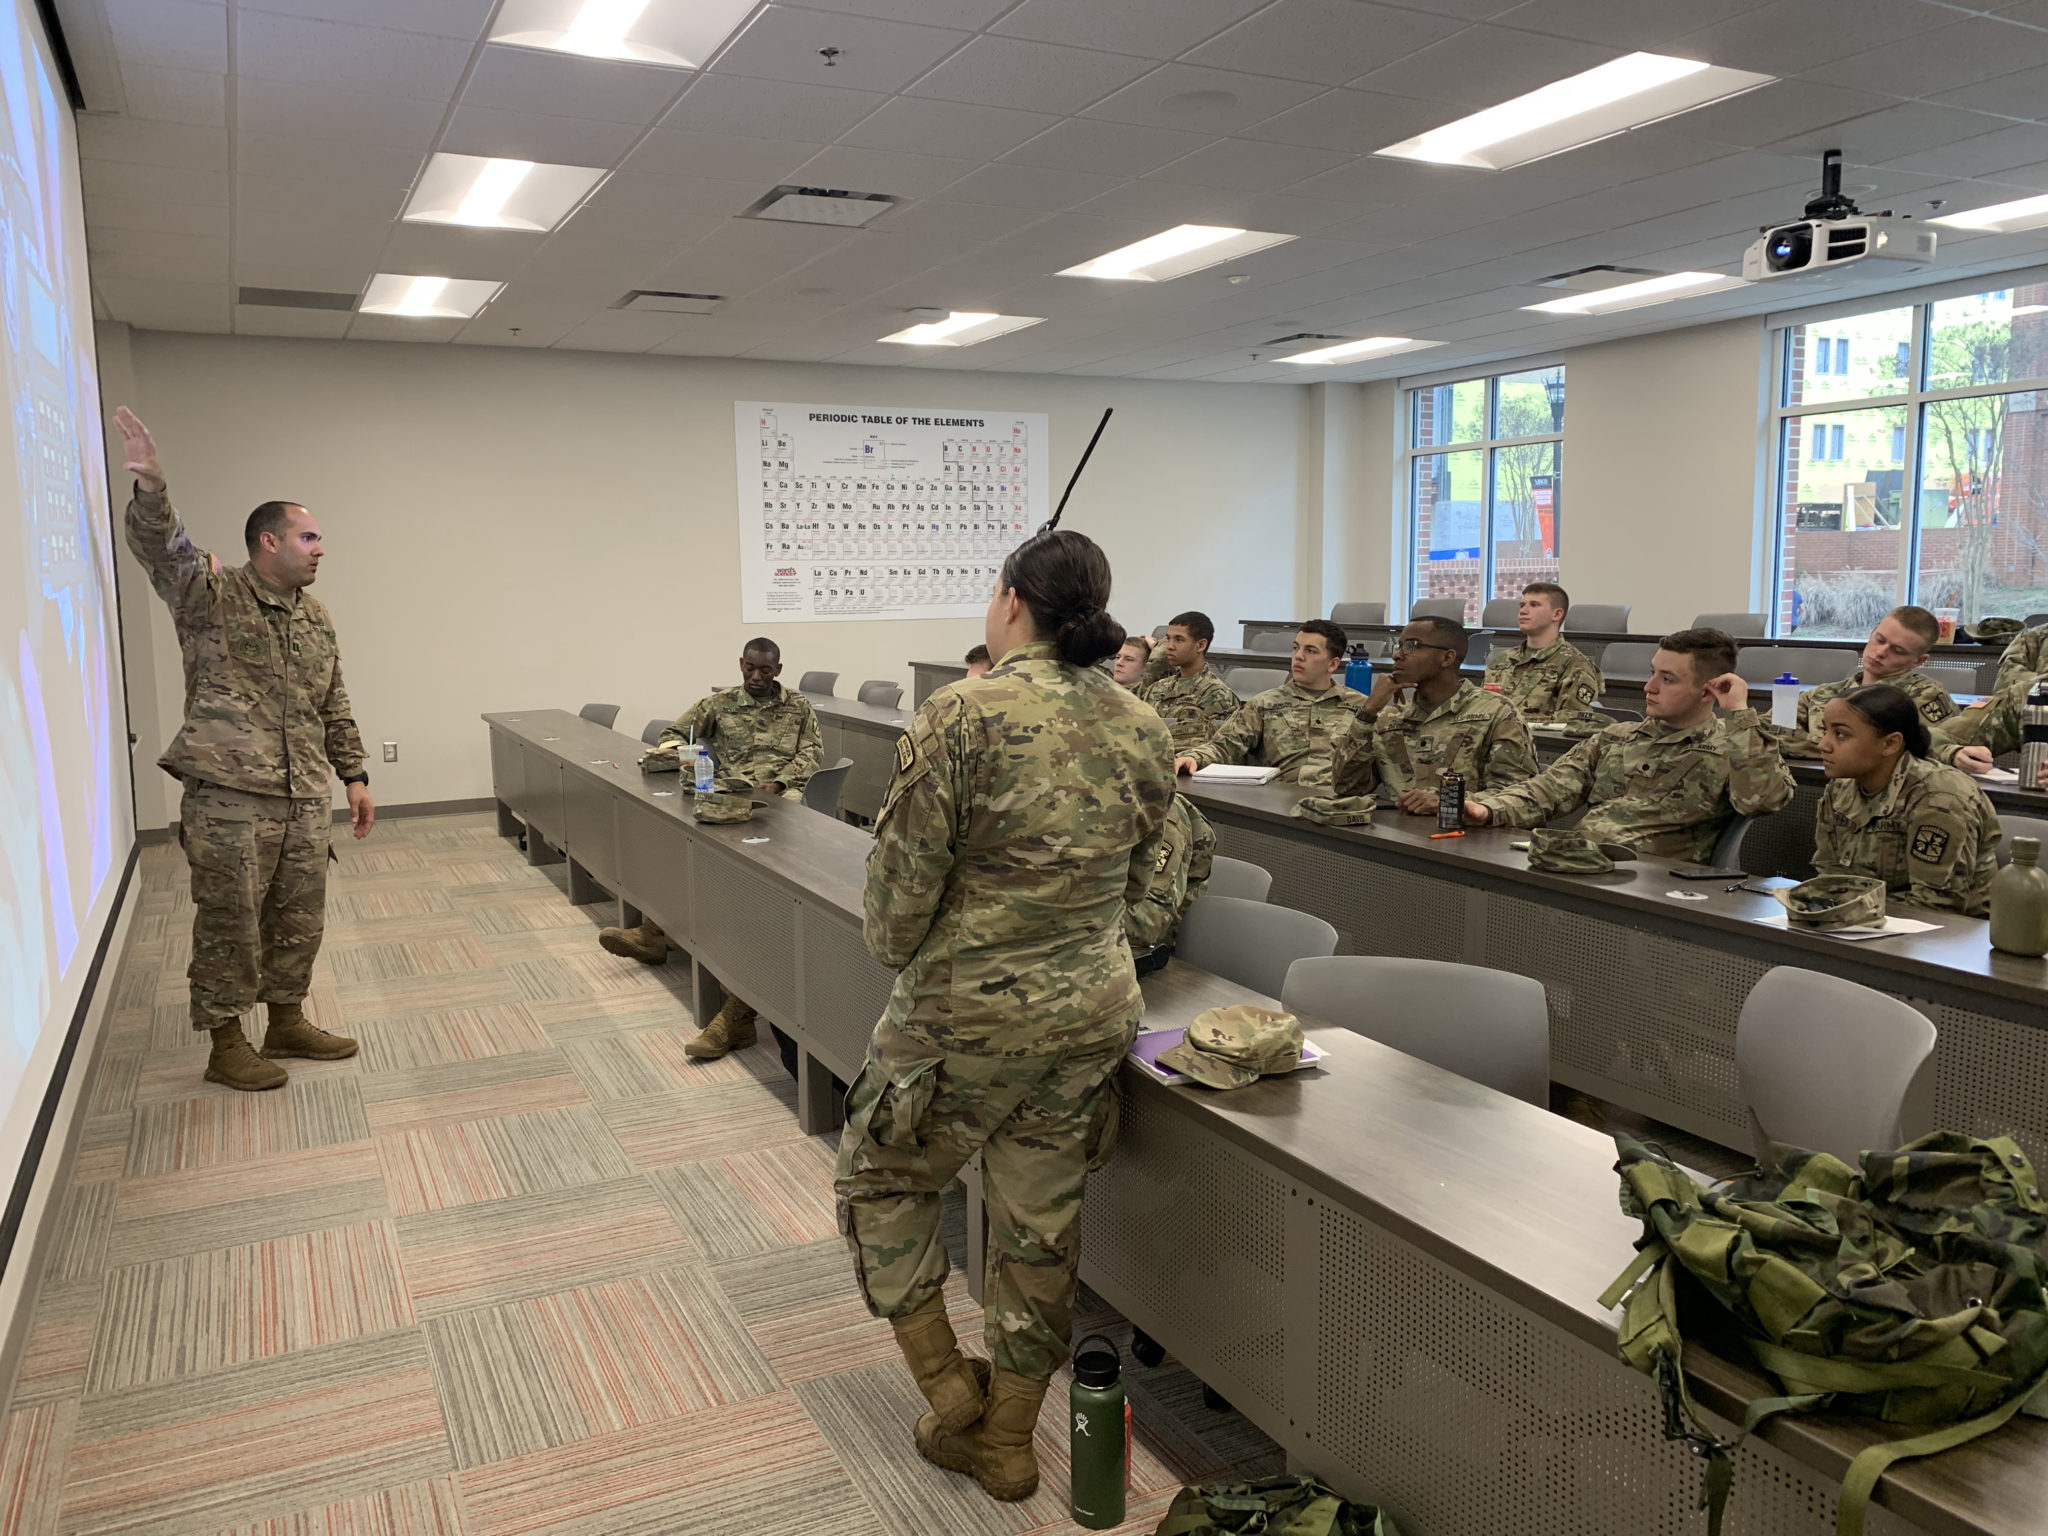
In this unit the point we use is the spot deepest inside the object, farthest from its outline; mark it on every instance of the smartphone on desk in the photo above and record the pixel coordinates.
(1703, 872)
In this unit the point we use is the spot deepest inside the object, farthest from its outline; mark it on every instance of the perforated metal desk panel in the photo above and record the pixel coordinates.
(1390, 1269)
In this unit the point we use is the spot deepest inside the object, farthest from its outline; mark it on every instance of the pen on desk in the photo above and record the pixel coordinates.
(1435, 835)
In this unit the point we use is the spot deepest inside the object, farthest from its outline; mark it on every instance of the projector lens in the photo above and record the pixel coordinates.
(1789, 249)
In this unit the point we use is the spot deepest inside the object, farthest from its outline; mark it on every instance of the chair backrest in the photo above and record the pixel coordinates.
(1357, 613)
(1501, 613)
(1239, 878)
(2035, 620)
(1628, 660)
(1250, 942)
(1728, 846)
(2010, 827)
(1490, 1026)
(651, 731)
(1740, 625)
(1828, 1064)
(885, 694)
(1812, 666)
(1598, 618)
(821, 791)
(1452, 608)
(1270, 644)
(818, 682)
(600, 714)
(1246, 681)
(1616, 712)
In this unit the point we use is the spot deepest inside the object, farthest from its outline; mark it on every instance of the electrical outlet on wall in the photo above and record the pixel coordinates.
(390, 751)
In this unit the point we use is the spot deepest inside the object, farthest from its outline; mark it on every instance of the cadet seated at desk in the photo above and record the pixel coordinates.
(1546, 677)
(766, 738)
(1668, 784)
(2025, 659)
(1973, 739)
(1888, 811)
(1895, 651)
(1192, 700)
(1445, 725)
(978, 661)
(1128, 665)
(1179, 871)
(1292, 727)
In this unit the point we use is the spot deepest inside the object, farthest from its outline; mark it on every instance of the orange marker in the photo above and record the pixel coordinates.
(1435, 835)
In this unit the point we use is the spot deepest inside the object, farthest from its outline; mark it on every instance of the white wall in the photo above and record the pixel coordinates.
(511, 528)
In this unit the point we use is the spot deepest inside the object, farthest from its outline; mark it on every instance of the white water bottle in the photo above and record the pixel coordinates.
(703, 771)
(1785, 700)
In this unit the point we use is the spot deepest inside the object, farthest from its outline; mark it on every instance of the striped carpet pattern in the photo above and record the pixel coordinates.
(520, 1268)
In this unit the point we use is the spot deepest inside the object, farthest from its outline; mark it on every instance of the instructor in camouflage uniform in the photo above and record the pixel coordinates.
(765, 737)
(1026, 811)
(265, 713)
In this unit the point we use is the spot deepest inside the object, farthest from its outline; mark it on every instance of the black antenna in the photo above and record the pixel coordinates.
(1055, 521)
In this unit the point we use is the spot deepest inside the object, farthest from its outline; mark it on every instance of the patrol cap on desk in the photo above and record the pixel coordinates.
(1236, 1046)
(1336, 810)
(725, 805)
(1835, 901)
(1560, 851)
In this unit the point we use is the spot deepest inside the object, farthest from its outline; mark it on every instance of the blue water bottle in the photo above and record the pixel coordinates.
(1358, 674)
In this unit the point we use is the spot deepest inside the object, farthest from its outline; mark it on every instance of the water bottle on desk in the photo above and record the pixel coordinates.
(2034, 734)
(703, 770)
(1358, 674)
(1785, 700)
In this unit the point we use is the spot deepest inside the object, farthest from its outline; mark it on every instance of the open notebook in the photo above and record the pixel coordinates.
(1235, 773)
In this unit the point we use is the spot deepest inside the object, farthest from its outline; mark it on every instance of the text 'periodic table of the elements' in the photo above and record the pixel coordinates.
(882, 512)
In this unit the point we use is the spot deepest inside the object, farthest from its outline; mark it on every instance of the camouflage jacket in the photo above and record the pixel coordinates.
(755, 741)
(1658, 789)
(265, 709)
(1027, 810)
(1287, 728)
(1194, 708)
(1929, 835)
(2024, 660)
(1994, 724)
(1179, 871)
(1411, 746)
(1554, 683)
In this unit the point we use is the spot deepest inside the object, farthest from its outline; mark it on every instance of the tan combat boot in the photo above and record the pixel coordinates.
(235, 1062)
(732, 1030)
(997, 1452)
(291, 1033)
(947, 1378)
(647, 943)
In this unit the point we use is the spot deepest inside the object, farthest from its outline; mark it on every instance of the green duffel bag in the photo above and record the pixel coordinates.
(1277, 1506)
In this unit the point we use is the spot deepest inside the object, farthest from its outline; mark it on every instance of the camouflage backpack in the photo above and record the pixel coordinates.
(1277, 1506)
(1909, 1290)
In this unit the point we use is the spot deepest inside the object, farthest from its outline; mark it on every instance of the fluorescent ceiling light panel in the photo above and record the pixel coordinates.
(1176, 252)
(2000, 218)
(1653, 290)
(681, 34)
(1624, 93)
(963, 328)
(498, 194)
(427, 298)
(1358, 351)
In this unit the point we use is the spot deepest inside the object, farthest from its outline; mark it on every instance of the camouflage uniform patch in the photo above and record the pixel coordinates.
(1194, 708)
(1186, 853)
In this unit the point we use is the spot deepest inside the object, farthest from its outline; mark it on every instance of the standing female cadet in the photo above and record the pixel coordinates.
(1925, 830)
(1027, 808)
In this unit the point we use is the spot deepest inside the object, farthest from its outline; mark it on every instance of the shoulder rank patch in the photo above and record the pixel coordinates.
(905, 753)
(1930, 843)
(1165, 853)
(1930, 709)
(1586, 694)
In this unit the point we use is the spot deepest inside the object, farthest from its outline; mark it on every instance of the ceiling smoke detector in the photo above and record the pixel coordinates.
(821, 205)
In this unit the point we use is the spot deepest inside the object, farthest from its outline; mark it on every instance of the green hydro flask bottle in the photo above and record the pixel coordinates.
(1099, 1432)
(2019, 902)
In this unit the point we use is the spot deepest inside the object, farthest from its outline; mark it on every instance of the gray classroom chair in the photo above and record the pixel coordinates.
(821, 793)
(1598, 618)
(1246, 681)
(1501, 613)
(1616, 712)
(1956, 679)
(1728, 846)
(818, 682)
(1756, 664)
(1627, 661)
(1490, 1026)
(1239, 878)
(600, 714)
(885, 695)
(2035, 620)
(1272, 645)
(1159, 631)
(1827, 1064)
(2010, 827)
(1250, 942)
(1342, 614)
(1452, 608)
(651, 731)
(1740, 625)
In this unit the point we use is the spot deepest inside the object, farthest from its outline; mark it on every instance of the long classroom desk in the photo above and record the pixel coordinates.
(866, 733)
(1389, 1269)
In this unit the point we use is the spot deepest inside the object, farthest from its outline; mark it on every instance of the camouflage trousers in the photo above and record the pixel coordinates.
(259, 884)
(914, 1118)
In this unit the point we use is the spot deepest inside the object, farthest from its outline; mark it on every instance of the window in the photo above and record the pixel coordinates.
(1955, 515)
(1485, 485)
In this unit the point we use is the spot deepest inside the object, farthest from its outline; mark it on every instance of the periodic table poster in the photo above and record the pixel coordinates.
(863, 512)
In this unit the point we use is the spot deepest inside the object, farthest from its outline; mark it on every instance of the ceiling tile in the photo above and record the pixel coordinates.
(1163, 204)
(1330, 41)
(783, 44)
(856, 268)
(707, 339)
(971, 14)
(621, 330)
(166, 306)
(1201, 100)
(915, 125)
(1036, 77)
(293, 257)
(462, 19)
(270, 106)
(665, 224)
(770, 109)
(402, 328)
(1358, 122)
(1250, 166)
(1484, 65)
(1286, 214)
(1153, 29)
(1118, 149)
(174, 95)
(170, 218)
(1962, 56)
(598, 271)
(875, 170)
(1771, 112)
(1372, 180)
(153, 183)
(318, 324)
(182, 145)
(1987, 154)
(361, 203)
(745, 254)
(342, 57)
(1897, 130)
(1791, 37)
(1625, 24)
(562, 85)
(158, 257)
(954, 227)
(1028, 186)
(720, 157)
(2022, 95)
(644, 192)
(449, 250)
(529, 136)
(323, 162)
(509, 322)
(176, 34)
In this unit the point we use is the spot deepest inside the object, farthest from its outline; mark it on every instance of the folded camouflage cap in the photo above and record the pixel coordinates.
(724, 805)
(1835, 901)
(1985, 631)
(1235, 1046)
(1336, 810)
(1559, 851)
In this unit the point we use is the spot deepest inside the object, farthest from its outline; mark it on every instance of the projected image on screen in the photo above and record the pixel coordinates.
(64, 813)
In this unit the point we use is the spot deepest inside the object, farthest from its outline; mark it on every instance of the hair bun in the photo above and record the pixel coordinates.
(1086, 637)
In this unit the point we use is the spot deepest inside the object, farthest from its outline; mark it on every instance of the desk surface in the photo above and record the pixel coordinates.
(1956, 651)
(853, 712)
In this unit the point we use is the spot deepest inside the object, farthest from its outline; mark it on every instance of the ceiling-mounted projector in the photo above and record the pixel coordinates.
(1834, 233)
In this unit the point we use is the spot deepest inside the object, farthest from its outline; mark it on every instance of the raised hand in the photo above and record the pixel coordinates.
(140, 449)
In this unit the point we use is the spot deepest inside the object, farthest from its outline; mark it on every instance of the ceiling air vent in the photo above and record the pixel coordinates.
(294, 298)
(1586, 279)
(1288, 341)
(657, 301)
(821, 205)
